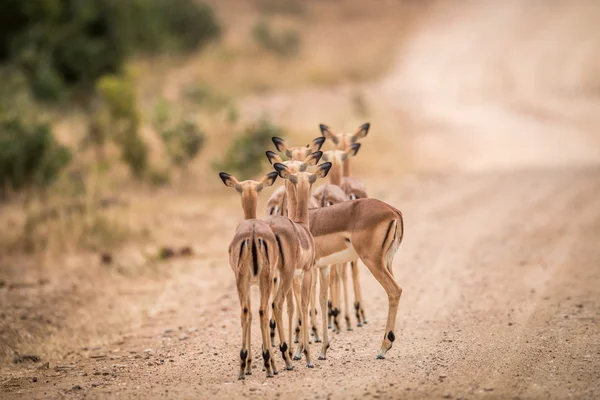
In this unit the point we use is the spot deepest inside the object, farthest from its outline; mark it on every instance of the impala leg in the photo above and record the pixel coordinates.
(298, 317)
(246, 316)
(336, 299)
(272, 323)
(290, 309)
(263, 311)
(296, 288)
(313, 308)
(380, 271)
(332, 278)
(305, 302)
(324, 272)
(358, 302)
(284, 287)
(344, 270)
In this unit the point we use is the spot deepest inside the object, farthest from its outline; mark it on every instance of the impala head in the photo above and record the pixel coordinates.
(301, 179)
(249, 190)
(298, 153)
(339, 156)
(343, 141)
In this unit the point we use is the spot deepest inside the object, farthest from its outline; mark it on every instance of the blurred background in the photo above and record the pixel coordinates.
(116, 117)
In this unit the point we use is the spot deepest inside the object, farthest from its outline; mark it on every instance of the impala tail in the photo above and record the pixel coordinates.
(393, 237)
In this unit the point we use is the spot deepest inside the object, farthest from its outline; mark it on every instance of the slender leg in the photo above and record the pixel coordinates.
(336, 300)
(285, 285)
(380, 271)
(272, 322)
(358, 301)
(305, 302)
(324, 272)
(344, 269)
(296, 288)
(290, 310)
(332, 279)
(245, 354)
(313, 308)
(263, 311)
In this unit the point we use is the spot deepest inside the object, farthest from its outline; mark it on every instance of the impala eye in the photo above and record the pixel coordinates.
(352, 196)
(329, 204)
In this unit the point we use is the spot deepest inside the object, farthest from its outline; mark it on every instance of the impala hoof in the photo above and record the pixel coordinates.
(318, 340)
(349, 329)
(359, 324)
(310, 365)
(380, 357)
(290, 367)
(322, 357)
(296, 358)
(241, 377)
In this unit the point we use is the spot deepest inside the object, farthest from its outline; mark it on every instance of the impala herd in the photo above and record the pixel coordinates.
(305, 237)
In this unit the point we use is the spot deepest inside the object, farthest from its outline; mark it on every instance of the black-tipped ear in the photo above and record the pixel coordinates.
(227, 179)
(352, 150)
(313, 158)
(361, 132)
(282, 170)
(269, 179)
(316, 144)
(328, 133)
(279, 144)
(322, 171)
(273, 158)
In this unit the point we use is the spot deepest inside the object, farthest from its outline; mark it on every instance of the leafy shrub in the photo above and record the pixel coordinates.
(183, 139)
(284, 44)
(29, 154)
(289, 7)
(203, 95)
(120, 106)
(245, 156)
(64, 43)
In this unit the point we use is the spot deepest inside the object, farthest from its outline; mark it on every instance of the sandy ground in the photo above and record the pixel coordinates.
(500, 265)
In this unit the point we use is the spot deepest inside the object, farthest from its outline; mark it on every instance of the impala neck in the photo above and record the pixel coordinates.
(302, 200)
(249, 204)
(335, 173)
(347, 167)
(291, 203)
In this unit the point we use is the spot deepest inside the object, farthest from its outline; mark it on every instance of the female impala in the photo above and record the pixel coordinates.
(253, 256)
(354, 189)
(368, 229)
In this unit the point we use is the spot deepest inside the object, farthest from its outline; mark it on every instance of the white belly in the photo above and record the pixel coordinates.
(344, 256)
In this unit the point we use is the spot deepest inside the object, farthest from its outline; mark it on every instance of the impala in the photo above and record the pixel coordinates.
(368, 229)
(355, 190)
(253, 256)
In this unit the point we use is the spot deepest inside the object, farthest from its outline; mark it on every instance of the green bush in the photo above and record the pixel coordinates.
(61, 44)
(120, 110)
(245, 156)
(183, 139)
(29, 154)
(285, 44)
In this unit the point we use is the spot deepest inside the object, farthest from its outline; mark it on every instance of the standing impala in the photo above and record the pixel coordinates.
(355, 190)
(298, 185)
(368, 229)
(253, 256)
(328, 195)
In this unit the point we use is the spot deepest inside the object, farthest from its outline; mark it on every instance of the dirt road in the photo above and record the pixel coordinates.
(500, 267)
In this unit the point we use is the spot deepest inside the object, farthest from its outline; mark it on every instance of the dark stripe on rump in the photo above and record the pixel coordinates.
(280, 249)
(254, 258)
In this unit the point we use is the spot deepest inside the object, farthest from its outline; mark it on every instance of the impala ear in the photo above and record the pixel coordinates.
(273, 158)
(313, 158)
(361, 132)
(321, 172)
(280, 145)
(351, 151)
(282, 170)
(316, 145)
(267, 180)
(328, 133)
(230, 181)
